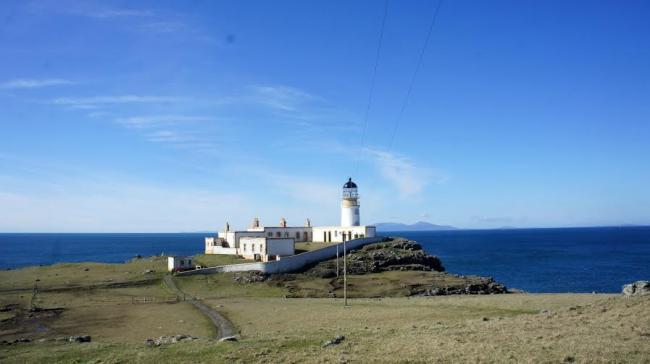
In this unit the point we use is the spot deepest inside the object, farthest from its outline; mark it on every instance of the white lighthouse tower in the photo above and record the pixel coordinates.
(350, 205)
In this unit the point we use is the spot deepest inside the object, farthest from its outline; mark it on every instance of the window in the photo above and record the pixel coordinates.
(244, 247)
(286, 235)
(278, 234)
(182, 262)
(336, 233)
(270, 234)
(189, 262)
(253, 248)
(298, 235)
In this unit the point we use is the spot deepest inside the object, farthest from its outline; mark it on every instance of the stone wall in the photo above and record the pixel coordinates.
(291, 263)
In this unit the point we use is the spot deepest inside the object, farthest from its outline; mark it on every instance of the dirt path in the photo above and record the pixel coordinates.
(224, 327)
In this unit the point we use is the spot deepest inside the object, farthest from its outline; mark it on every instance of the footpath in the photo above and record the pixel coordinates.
(225, 328)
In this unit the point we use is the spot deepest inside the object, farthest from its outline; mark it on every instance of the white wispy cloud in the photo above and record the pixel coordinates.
(141, 122)
(26, 83)
(282, 98)
(408, 178)
(97, 101)
(187, 132)
(165, 27)
(97, 203)
(115, 13)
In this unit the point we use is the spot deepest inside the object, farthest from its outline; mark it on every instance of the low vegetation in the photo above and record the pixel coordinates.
(121, 305)
(309, 246)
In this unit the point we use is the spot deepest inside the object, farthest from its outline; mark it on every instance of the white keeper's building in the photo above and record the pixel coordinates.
(267, 243)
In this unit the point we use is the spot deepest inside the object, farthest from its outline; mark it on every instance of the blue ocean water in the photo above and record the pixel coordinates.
(545, 260)
(19, 250)
(535, 260)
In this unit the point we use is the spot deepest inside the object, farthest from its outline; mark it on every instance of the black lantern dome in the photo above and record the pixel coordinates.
(350, 190)
(350, 184)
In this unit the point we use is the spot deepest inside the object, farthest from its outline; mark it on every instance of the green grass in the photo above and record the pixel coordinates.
(71, 275)
(309, 246)
(490, 328)
(223, 285)
(493, 329)
(211, 260)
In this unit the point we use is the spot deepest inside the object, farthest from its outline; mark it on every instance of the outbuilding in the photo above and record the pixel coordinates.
(177, 263)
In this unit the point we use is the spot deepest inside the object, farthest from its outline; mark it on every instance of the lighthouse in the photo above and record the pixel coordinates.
(350, 205)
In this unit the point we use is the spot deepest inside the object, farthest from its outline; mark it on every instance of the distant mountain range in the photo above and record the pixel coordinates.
(418, 226)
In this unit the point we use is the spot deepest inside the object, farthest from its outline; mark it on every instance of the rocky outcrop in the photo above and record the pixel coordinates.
(398, 254)
(480, 285)
(163, 340)
(638, 288)
(249, 277)
(335, 341)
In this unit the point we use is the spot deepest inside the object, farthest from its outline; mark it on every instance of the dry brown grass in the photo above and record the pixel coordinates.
(504, 328)
(496, 328)
(107, 315)
(492, 329)
(73, 275)
(97, 300)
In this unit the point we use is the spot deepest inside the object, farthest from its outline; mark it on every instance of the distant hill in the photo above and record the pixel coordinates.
(418, 226)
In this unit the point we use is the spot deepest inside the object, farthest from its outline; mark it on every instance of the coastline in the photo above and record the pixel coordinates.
(111, 312)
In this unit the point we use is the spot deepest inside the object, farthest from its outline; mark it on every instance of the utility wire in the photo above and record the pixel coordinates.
(372, 87)
(414, 76)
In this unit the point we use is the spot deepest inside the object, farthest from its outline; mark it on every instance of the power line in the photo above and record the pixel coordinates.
(372, 86)
(414, 76)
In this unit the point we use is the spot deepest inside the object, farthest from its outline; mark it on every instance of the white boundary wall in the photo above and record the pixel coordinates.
(288, 264)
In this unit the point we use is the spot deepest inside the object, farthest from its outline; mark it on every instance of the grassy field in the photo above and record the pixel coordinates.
(309, 246)
(212, 260)
(486, 328)
(505, 328)
(123, 303)
(74, 275)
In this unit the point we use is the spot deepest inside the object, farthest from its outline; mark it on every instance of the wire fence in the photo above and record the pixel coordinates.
(157, 299)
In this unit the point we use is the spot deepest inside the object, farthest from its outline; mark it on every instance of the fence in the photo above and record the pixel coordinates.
(156, 299)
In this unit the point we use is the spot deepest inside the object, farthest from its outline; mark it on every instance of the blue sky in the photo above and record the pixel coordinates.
(178, 116)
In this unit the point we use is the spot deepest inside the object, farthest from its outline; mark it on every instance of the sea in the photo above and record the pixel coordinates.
(598, 259)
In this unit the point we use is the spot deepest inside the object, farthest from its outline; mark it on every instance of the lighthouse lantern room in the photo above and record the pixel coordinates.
(350, 205)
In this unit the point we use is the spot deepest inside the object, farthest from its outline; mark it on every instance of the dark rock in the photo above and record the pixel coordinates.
(79, 339)
(483, 286)
(638, 288)
(169, 340)
(249, 277)
(399, 254)
(228, 338)
(337, 340)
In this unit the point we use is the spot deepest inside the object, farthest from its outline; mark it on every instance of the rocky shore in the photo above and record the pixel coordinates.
(374, 261)
(397, 254)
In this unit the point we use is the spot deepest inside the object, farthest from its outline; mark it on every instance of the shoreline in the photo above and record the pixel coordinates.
(81, 264)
